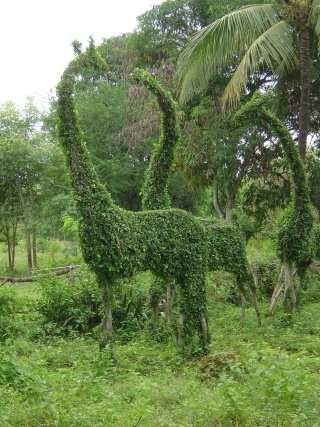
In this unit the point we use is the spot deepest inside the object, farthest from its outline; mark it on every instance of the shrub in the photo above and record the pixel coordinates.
(67, 307)
(10, 304)
(10, 368)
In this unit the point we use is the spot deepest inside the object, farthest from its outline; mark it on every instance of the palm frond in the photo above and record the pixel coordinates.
(274, 49)
(214, 46)
(315, 15)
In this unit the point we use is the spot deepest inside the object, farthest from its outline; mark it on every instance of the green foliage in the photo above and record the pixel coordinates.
(313, 170)
(130, 312)
(31, 168)
(155, 187)
(316, 240)
(116, 243)
(11, 371)
(252, 377)
(258, 199)
(165, 28)
(220, 365)
(294, 235)
(225, 243)
(69, 307)
(10, 304)
(227, 251)
(103, 110)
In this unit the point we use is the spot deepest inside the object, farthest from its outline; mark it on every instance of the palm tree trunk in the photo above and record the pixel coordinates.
(304, 119)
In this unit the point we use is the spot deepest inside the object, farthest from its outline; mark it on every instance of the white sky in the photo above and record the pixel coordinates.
(36, 36)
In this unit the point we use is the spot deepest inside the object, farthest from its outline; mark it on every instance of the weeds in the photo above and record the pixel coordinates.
(266, 377)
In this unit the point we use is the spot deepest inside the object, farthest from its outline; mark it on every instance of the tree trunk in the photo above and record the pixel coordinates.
(169, 304)
(277, 291)
(204, 330)
(106, 325)
(26, 220)
(230, 200)
(289, 298)
(155, 315)
(254, 298)
(34, 247)
(243, 309)
(10, 245)
(13, 244)
(29, 251)
(304, 117)
(179, 331)
(215, 199)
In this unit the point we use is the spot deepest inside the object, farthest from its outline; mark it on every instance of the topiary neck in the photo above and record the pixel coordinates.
(85, 181)
(155, 187)
(294, 237)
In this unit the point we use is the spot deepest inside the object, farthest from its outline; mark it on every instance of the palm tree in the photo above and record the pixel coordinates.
(257, 38)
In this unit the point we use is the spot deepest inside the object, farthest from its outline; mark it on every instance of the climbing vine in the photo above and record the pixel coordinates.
(116, 243)
(226, 250)
(155, 187)
(294, 243)
(296, 223)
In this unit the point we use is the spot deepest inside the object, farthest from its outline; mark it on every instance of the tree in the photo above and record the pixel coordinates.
(165, 29)
(251, 40)
(10, 215)
(215, 153)
(31, 171)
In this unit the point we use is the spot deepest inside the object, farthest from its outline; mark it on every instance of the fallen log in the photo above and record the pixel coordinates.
(62, 271)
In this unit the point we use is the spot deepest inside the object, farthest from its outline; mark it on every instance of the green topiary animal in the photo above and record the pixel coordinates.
(226, 249)
(155, 186)
(295, 226)
(117, 243)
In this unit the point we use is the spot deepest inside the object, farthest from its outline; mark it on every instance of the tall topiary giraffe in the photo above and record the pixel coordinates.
(226, 250)
(116, 243)
(295, 225)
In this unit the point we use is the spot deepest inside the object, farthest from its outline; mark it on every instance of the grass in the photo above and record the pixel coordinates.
(251, 377)
(52, 253)
(266, 377)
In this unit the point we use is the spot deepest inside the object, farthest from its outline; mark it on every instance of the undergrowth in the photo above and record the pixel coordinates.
(266, 377)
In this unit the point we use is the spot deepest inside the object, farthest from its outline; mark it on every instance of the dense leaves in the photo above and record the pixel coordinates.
(116, 243)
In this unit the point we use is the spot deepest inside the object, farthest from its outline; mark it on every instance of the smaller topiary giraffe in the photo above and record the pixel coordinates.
(116, 243)
(155, 186)
(295, 226)
(226, 249)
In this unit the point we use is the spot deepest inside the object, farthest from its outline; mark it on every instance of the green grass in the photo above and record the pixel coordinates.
(265, 377)
(51, 253)
(252, 377)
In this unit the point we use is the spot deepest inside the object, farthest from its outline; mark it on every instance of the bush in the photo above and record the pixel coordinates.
(130, 308)
(11, 372)
(67, 307)
(10, 304)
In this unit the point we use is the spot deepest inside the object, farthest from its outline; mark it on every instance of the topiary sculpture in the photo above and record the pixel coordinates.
(295, 225)
(116, 243)
(155, 186)
(226, 250)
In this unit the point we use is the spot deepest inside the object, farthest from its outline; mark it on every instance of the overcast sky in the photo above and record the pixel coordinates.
(36, 36)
